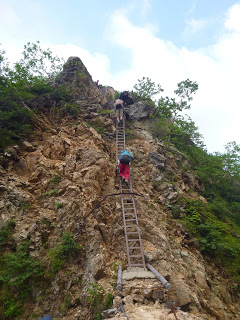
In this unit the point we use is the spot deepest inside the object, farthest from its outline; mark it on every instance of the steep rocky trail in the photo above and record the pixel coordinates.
(73, 166)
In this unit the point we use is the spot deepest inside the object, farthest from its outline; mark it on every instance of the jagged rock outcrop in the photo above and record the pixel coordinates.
(83, 89)
(139, 111)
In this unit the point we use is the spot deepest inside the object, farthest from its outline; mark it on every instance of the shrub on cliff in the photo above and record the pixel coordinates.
(32, 76)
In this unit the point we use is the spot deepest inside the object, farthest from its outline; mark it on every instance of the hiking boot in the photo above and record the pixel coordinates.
(123, 179)
(126, 181)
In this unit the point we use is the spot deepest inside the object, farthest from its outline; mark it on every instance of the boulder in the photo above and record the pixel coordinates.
(139, 111)
(158, 160)
(28, 146)
(109, 313)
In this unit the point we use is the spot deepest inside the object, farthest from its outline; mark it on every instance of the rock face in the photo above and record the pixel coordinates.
(139, 111)
(73, 165)
(73, 70)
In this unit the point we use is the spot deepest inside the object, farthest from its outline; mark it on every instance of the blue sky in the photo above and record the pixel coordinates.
(121, 41)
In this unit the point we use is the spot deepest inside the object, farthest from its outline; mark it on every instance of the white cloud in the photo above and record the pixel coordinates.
(232, 22)
(195, 25)
(215, 108)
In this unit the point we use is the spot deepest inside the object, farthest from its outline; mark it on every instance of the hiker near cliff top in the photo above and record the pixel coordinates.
(118, 104)
(124, 162)
(127, 100)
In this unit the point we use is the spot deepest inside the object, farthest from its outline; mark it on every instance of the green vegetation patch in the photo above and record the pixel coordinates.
(99, 299)
(5, 232)
(216, 238)
(65, 248)
(97, 125)
(106, 111)
(18, 270)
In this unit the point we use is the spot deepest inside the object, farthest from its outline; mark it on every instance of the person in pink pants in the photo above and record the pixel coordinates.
(124, 162)
(124, 172)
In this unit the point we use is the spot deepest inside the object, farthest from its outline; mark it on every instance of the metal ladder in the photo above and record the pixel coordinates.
(131, 227)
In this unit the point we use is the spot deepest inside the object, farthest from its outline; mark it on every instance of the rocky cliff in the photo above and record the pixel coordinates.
(52, 181)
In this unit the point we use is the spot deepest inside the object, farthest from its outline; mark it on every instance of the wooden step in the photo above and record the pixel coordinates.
(136, 256)
(132, 226)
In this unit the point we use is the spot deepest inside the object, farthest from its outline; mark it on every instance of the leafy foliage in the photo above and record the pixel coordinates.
(217, 224)
(68, 108)
(145, 90)
(216, 238)
(28, 78)
(17, 271)
(99, 299)
(62, 250)
(5, 232)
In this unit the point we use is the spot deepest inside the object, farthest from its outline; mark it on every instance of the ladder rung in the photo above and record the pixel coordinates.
(132, 233)
(136, 256)
(136, 265)
(130, 220)
(133, 248)
(132, 225)
(133, 240)
(129, 214)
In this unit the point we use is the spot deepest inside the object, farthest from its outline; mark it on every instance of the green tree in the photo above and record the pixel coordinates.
(170, 112)
(146, 89)
(33, 75)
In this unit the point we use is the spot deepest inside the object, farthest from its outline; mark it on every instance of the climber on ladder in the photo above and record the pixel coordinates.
(118, 104)
(124, 162)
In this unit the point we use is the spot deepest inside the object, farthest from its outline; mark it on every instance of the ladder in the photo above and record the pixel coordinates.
(130, 220)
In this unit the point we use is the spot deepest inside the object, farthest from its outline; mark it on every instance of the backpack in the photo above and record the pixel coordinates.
(125, 157)
(118, 104)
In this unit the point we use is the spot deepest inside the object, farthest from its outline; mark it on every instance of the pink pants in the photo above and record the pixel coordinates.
(124, 171)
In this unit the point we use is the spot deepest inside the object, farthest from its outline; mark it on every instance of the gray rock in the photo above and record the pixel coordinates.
(163, 186)
(28, 146)
(109, 313)
(172, 195)
(139, 111)
(182, 297)
(158, 160)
